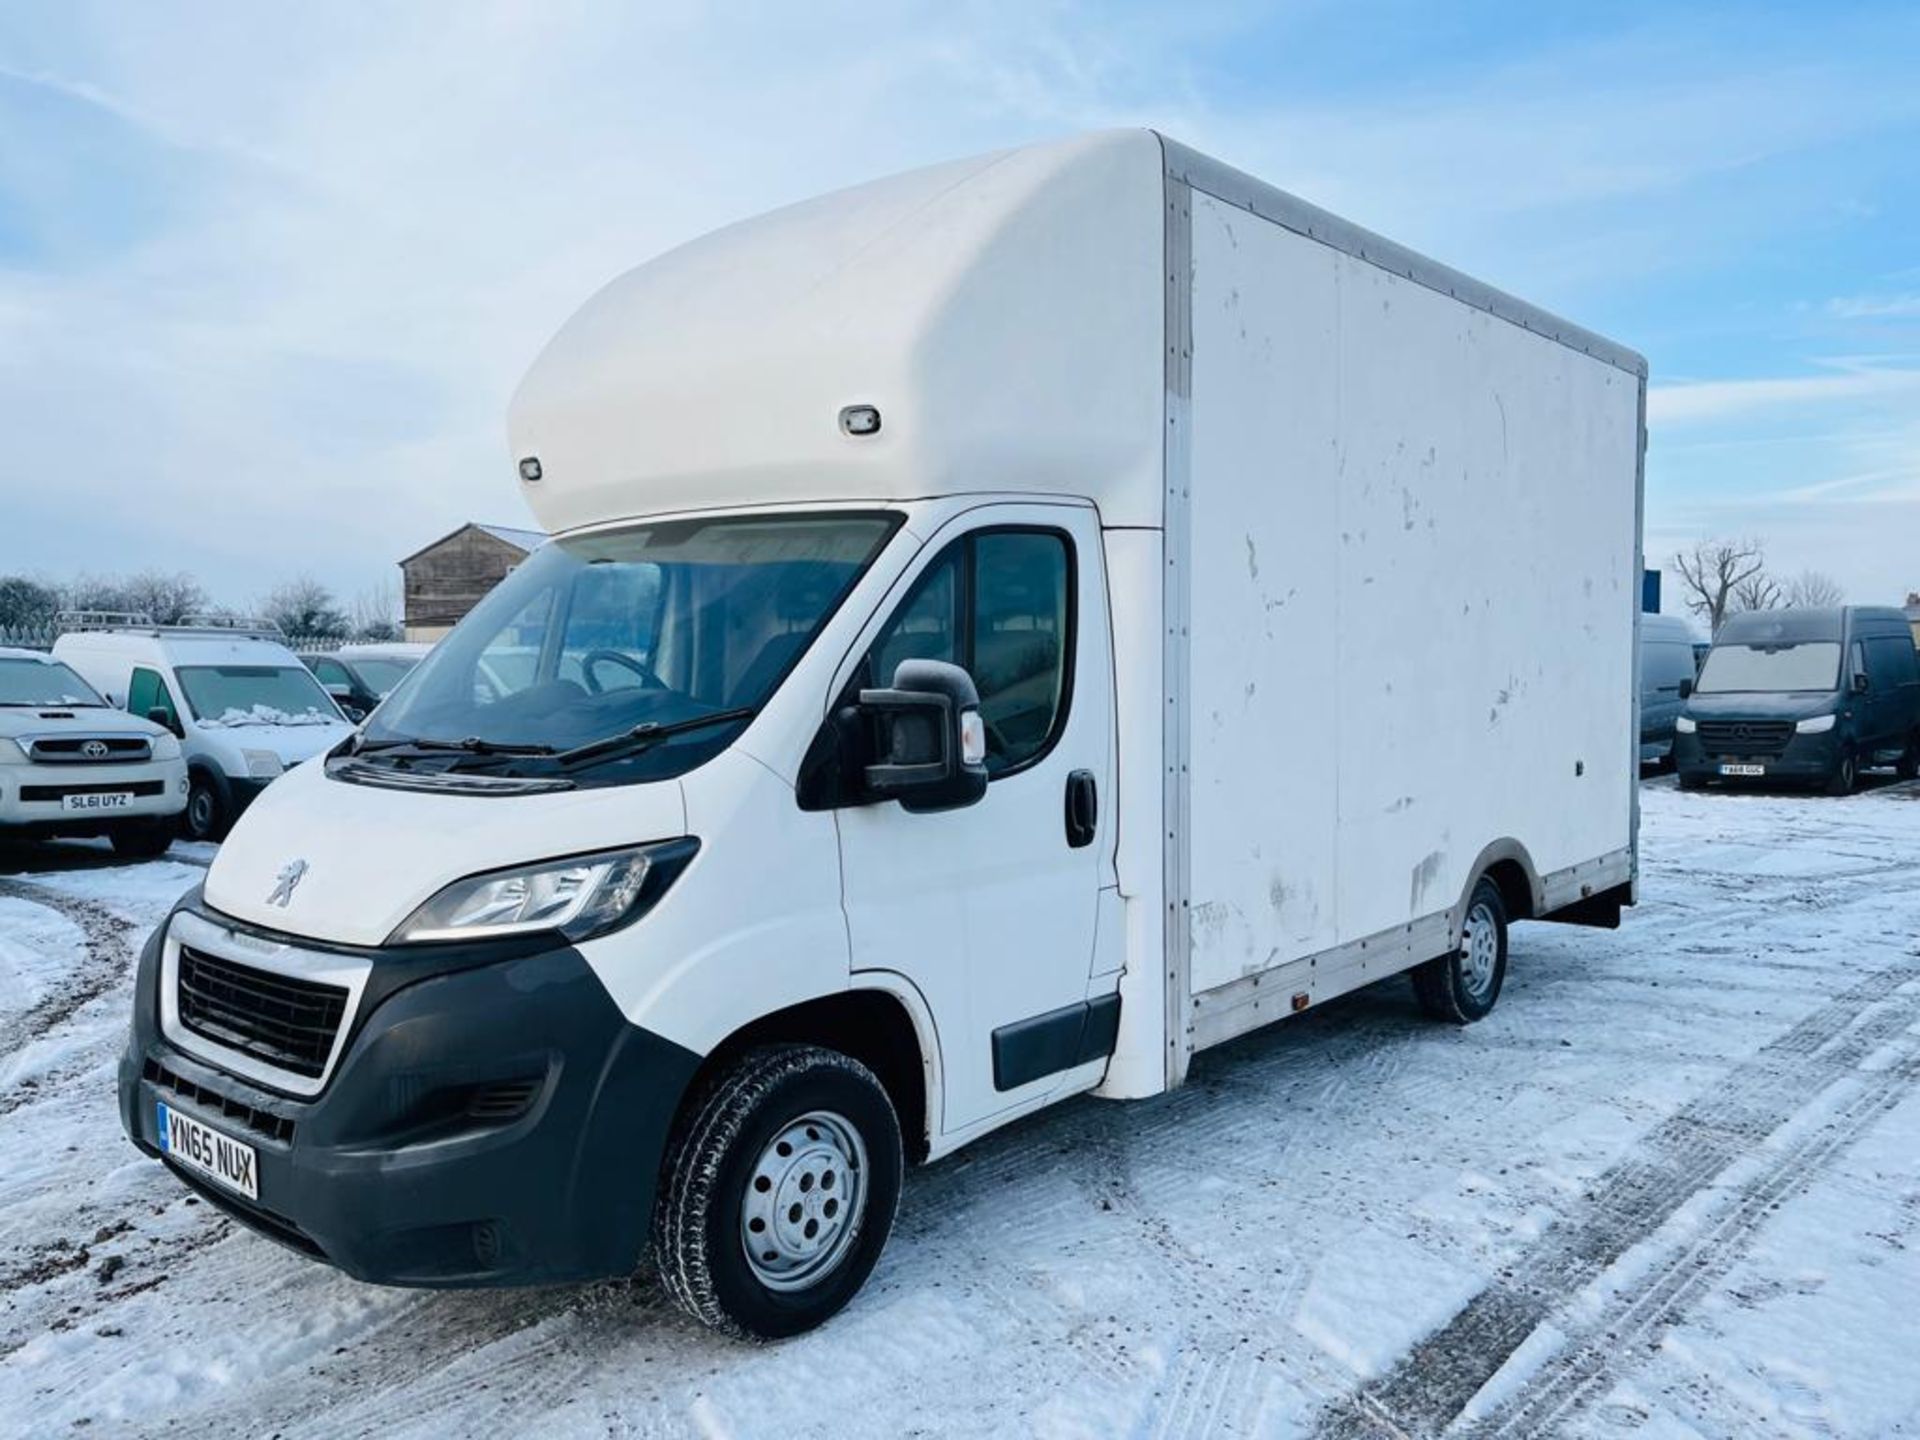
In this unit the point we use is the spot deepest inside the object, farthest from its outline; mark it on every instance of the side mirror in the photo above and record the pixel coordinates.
(932, 742)
(168, 719)
(1686, 689)
(1861, 684)
(352, 712)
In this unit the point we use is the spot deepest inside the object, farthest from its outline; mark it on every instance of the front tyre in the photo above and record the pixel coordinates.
(142, 839)
(1463, 986)
(205, 817)
(779, 1191)
(1846, 774)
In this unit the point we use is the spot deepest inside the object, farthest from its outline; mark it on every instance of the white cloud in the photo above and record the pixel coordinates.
(1706, 401)
(1875, 307)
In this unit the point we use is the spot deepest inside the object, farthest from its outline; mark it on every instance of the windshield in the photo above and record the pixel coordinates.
(256, 695)
(1809, 665)
(43, 682)
(380, 676)
(650, 629)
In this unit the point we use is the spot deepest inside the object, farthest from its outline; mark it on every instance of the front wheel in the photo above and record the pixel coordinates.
(142, 839)
(779, 1191)
(1845, 775)
(1462, 987)
(206, 816)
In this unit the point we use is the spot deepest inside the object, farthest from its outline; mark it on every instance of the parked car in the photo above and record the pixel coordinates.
(359, 677)
(70, 764)
(244, 708)
(829, 794)
(1667, 671)
(1803, 695)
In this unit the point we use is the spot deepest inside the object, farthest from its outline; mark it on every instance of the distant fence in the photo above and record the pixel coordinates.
(42, 636)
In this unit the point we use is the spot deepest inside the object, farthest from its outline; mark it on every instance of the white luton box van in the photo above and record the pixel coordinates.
(1007, 627)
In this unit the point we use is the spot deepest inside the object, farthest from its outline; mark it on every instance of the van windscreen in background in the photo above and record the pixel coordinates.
(39, 682)
(382, 674)
(1809, 665)
(627, 655)
(256, 695)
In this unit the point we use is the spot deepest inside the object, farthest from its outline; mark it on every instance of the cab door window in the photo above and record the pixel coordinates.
(147, 692)
(998, 603)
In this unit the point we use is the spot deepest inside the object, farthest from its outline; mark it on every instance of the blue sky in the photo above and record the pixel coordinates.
(268, 274)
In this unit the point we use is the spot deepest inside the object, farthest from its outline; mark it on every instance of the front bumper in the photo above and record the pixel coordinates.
(408, 1168)
(31, 796)
(1806, 758)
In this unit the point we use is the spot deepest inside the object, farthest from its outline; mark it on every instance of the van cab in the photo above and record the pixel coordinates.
(1667, 671)
(242, 705)
(1804, 696)
(72, 765)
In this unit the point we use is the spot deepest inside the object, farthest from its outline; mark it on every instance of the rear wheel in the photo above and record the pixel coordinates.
(1908, 765)
(1692, 782)
(142, 839)
(1845, 775)
(206, 815)
(1462, 987)
(779, 1191)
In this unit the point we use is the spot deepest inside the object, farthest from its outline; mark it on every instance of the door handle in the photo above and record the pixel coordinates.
(1083, 809)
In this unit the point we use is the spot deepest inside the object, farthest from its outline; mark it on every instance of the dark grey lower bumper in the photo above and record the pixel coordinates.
(497, 1122)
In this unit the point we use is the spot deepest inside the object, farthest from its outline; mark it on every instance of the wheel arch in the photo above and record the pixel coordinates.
(882, 1022)
(1507, 863)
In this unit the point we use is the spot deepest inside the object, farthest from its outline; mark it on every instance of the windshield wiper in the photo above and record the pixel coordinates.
(647, 734)
(472, 745)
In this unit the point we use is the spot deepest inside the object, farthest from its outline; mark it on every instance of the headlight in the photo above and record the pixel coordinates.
(262, 764)
(580, 897)
(1684, 724)
(165, 747)
(1814, 724)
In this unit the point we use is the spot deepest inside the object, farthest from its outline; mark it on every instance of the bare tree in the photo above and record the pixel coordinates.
(1814, 590)
(168, 599)
(303, 606)
(25, 602)
(376, 613)
(1713, 570)
(1758, 592)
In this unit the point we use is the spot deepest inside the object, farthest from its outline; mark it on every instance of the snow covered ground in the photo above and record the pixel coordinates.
(1670, 1188)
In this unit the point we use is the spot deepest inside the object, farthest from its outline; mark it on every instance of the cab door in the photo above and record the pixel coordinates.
(990, 911)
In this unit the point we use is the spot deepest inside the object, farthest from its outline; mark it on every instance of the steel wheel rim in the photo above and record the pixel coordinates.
(804, 1201)
(200, 811)
(1479, 951)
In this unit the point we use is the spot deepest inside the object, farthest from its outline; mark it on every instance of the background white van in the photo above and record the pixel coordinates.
(244, 707)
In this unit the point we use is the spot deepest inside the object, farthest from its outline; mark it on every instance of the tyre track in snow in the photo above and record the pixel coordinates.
(106, 959)
(1633, 1320)
(1431, 1386)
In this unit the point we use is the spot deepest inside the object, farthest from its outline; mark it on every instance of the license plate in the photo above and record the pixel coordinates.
(202, 1148)
(1731, 769)
(110, 800)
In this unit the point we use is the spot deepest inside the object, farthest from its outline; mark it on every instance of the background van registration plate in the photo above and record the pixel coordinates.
(1743, 769)
(109, 800)
(202, 1148)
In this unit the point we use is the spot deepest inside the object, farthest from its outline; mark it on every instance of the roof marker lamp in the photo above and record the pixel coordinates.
(577, 898)
(860, 420)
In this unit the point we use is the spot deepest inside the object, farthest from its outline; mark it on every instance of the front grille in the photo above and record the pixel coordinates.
(278, 1019)
(54, 793)
(212, 1102)
(1745, 737)
(89, 749)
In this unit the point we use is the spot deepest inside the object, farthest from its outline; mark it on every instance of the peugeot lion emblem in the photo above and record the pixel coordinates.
(285, 882)
(94, 749)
